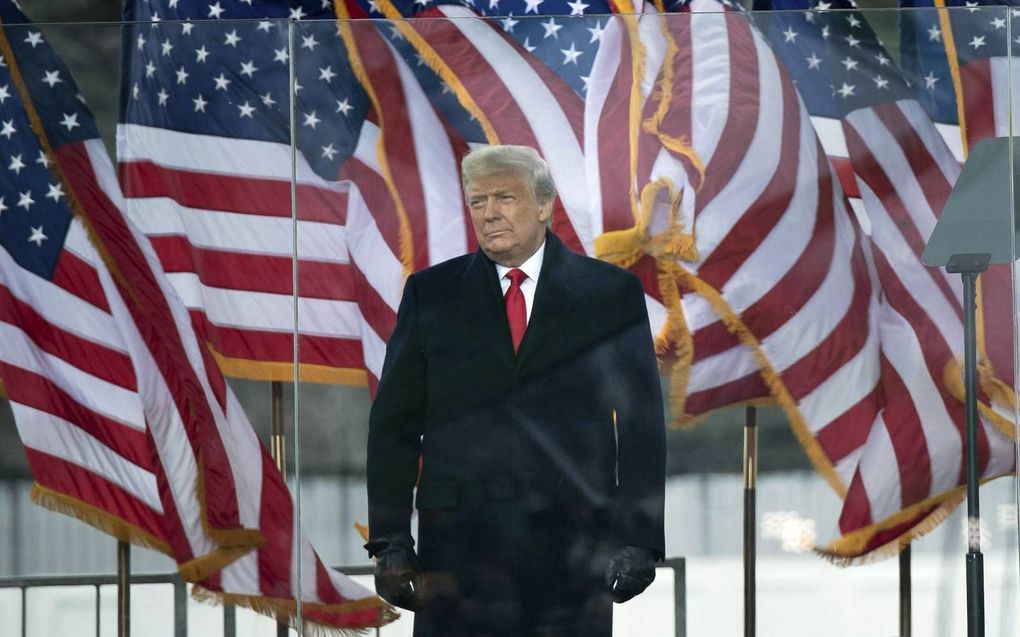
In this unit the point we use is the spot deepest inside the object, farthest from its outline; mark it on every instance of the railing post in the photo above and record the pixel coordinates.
(229, 621)
(180, 608)
(678, 564)
(123, 589)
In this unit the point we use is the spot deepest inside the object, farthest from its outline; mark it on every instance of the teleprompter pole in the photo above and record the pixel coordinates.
(278, 448)
(975, 561)
(969, 266)
(977, 226)
(750, 488)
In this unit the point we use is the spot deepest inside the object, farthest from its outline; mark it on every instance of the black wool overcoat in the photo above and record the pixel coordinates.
(535, 465)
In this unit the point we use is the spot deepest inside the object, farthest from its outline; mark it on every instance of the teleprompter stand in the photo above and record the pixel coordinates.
(976, 228)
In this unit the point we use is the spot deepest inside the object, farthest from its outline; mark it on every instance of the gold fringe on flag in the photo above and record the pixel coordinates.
(225, 538)
(193, 570)
(999, 393)
(637, 64)
(433, 61)
(954, 67)
(676, 345)
(285, 611)
(770, 377)
(653, 125)
(406, 240)
(284, 372)
(202, 567)
(846, 550)
(96, 518)
(626, 247)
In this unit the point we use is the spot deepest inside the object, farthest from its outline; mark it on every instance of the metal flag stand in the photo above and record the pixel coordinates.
(905, 611)
(750, 516)
(278, 449)
(123, 589)
(968, 236)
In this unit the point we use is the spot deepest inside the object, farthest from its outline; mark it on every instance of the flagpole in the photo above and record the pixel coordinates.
(123, 589)
(905, 611)
(278, 439)
(750, 488)
(278, 449)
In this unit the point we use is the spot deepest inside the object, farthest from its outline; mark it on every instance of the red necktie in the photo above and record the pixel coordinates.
(516, 312)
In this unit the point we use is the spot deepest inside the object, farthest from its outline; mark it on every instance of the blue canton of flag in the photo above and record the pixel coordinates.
(923, 60)
(979, 27)
(832, 53)
(565, 35)
(859, 67)
(34, 209)
(975, 50)
(205, 68)
(440, 95)
(799, 42)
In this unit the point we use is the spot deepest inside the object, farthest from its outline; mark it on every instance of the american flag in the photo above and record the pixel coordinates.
(65, 364)
(206, 104)
(778, 301)
(664, 152)
(906, 471)
(127, 422)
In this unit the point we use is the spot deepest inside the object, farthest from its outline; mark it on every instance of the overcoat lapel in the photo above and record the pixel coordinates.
(559, 290)
(481, 300)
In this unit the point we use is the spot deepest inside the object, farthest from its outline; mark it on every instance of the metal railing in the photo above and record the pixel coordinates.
(24, 584)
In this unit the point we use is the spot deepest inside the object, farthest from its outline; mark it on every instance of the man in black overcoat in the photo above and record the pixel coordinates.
(520, 394)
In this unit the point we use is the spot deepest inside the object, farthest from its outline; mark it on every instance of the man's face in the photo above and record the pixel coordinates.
(509, 222)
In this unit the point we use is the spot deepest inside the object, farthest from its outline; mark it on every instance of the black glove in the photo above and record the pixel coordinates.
(398, 577)
(631, 569)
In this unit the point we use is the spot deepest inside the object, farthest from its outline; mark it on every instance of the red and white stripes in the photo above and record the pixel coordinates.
(69, 377)
(207, 204)
(778, 302)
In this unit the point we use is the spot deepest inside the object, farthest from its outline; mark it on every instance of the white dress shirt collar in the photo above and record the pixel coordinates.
(532, 267)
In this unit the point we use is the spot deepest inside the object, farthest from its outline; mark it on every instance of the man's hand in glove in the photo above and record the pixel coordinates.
(631, 569)
(398, 577)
